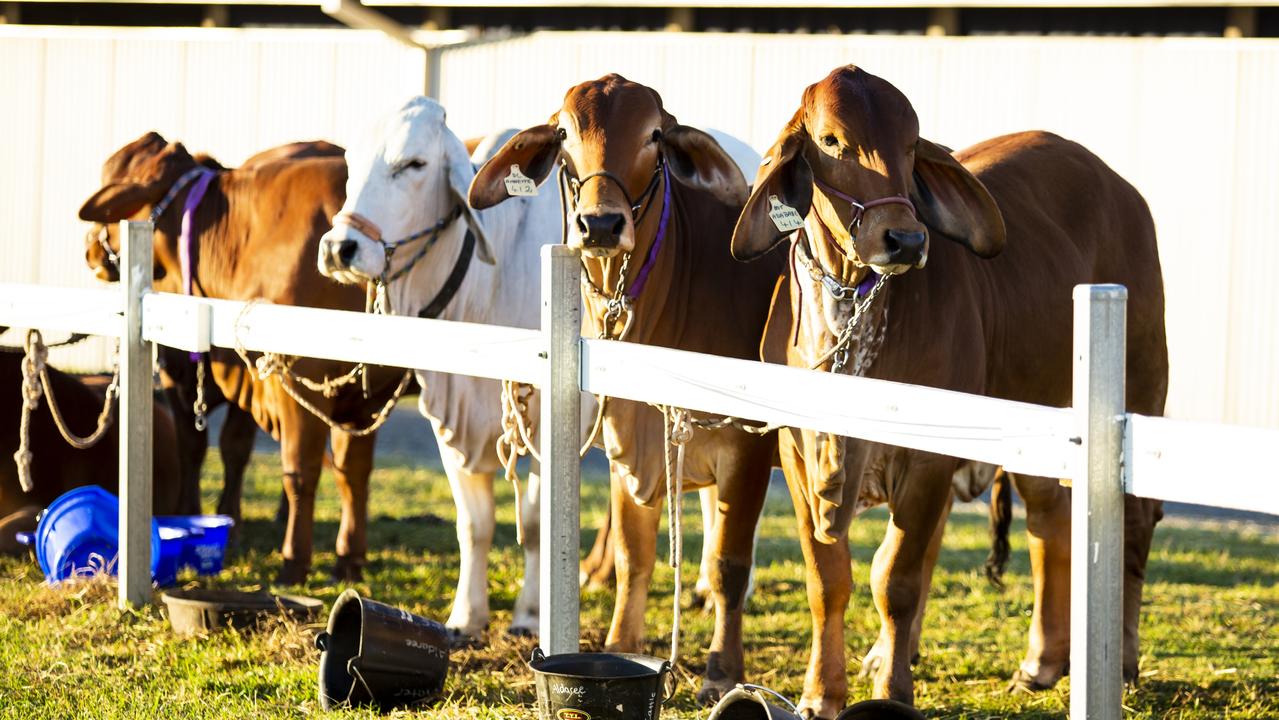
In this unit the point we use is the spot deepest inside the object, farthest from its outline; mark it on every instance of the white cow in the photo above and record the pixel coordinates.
(413, 177)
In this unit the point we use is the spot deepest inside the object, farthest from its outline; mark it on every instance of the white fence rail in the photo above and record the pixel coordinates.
(1096, 445)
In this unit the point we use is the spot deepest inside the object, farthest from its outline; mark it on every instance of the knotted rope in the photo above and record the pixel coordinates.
(678, 432)
(516, 439)
(269, 364)
(35, 382)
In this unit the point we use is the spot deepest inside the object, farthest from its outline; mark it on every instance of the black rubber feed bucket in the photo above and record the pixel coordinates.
(599, 686)
(375, 654)
(751, 702)
(880, 710)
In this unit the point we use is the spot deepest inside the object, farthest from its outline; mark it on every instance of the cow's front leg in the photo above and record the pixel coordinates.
(741, 498)
(302, 441)
(473, 497)
(828, 576)
(875, 658)
(1048, 533)
(635, 552)
(897, 573)
(524, 618)
(352, 465)
(235, 445)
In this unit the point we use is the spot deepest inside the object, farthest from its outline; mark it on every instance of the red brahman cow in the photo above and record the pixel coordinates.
(1006, 229)
(256, 233)
(652, 205)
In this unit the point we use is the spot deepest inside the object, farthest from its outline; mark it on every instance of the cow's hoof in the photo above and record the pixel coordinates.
(713, 690)
(348, 570)
(701, 599)
(1024, 682)
(820, 709)
(293, 572)
(460, 639)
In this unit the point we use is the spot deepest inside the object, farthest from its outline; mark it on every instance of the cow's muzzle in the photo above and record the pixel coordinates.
(602, 233)
(904, 247)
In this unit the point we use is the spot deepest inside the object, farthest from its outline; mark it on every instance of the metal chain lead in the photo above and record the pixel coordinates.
(200, 407)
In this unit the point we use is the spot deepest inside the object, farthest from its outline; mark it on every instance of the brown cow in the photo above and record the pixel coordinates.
(258, 229)
(178, 373)
(983, 316)
(56, 467)
(635, 168)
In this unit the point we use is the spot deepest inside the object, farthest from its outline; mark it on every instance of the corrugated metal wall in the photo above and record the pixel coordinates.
(70, 97)
(1194, 124)
(1191, 122)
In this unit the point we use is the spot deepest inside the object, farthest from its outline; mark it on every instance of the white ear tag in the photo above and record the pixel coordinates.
(785, 217)
(519, 185)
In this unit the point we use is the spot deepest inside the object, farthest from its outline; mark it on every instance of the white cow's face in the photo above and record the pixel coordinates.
(415, 173)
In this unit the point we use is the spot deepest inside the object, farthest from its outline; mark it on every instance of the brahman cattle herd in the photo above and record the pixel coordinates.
(861, 248)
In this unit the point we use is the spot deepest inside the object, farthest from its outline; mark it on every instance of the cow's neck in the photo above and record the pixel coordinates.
(664, 288)
(211, 251)
(821, 318)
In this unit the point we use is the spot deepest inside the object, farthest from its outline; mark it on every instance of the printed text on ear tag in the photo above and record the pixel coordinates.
(519, 185)
(785, 217)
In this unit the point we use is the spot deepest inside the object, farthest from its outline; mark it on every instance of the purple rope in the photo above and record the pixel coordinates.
(638, 286)
(186, 240)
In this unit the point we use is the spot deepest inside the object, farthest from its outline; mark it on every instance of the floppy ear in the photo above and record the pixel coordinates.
(697, 160)
(116, 202)
(953, 203)
(460, 173)
(534, 150)
(785, 176)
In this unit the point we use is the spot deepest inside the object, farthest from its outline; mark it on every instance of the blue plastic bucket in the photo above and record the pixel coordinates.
(79, 534)
(205, 545)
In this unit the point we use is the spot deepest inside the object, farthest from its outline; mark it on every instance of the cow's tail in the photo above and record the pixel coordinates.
(1001, 517)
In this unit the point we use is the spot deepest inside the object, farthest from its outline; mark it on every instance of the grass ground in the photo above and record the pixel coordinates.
(1210, 629)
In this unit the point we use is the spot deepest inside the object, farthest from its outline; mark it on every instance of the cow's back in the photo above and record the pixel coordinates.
(1071, 220)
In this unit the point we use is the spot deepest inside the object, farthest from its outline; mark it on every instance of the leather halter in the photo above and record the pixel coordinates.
(454, 280)
(859, 207)
(639, 210)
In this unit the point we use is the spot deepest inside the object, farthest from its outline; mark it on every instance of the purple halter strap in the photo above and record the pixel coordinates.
(186, 241)
(641, 278)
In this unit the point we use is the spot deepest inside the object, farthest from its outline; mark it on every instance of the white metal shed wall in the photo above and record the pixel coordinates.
(1194, 124)
(69, 97)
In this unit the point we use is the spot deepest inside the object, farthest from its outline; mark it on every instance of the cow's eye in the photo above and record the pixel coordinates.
(412, 164)
(656, 136)
(830, 141)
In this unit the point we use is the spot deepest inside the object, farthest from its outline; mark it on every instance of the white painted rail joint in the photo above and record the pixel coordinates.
(1097, 504)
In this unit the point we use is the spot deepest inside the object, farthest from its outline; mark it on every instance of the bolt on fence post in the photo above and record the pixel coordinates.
(1097, 505)
(134, 419)
(560, 426)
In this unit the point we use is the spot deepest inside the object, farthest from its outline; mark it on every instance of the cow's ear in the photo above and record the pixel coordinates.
(783, 192)
(533, 150)
(697, 160)
(461, 173)
(116, 202)
(954, 203)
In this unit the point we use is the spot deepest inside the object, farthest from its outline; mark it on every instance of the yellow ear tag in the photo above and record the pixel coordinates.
(785, 217)
(519, 185)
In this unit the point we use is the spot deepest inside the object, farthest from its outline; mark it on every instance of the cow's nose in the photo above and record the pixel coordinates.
(904, 247)
(346, 252)
(601, 229)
